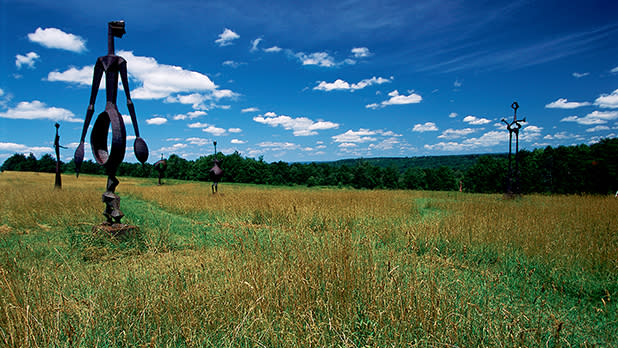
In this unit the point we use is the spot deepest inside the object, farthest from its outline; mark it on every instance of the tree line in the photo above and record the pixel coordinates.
(564, 169)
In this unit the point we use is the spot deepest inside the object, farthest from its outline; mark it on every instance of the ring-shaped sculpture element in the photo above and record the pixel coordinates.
(98, 139)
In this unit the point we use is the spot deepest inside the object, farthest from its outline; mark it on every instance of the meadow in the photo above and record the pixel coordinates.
(296, 266)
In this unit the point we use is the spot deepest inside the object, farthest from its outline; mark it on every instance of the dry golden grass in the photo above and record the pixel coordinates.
(264, 266)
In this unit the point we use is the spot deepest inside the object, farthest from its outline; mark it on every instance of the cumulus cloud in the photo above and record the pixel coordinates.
(360, 52)
(226, 37)
(234, 130)
(614, 70)
(56, 38)
(491, 138)
(24, 149)
(198, 141)
(157, 121)
(237, 141)
(595, 117)
(155, 80)
(456, 133)
(457, 84)
(608, 101)
(251, 109)
(35, 110)
(172, 149)
(562, 103)
(317, 58)
(425, 127)
(189, 115)
(28, 60)
(343, 85)
(301, 126)
(597, 129)
(360, 136)
(453, 115)
(397, 99)
(216, 131)
(473, 120)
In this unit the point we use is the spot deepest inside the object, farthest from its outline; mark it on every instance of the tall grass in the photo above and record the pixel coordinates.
(264, 266)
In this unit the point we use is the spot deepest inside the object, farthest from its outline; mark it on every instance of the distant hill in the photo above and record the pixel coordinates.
(455, 162)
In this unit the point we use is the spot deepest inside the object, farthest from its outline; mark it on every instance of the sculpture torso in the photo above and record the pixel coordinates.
(111, 66)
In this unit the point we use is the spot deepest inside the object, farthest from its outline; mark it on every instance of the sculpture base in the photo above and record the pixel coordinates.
(115, 230)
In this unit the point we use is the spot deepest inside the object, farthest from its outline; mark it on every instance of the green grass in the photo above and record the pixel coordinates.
(266, 266)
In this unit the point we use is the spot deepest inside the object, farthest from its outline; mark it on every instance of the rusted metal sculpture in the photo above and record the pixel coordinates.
(215, 172)
(112, 65)
(160, 166)
(57, 146)
(513, 127)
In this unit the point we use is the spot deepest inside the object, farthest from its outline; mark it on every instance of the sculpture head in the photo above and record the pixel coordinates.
(116, 28)
(57, 125)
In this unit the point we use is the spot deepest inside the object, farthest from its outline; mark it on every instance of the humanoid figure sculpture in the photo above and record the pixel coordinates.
(112, 65)
(57, 146)
(215, 172)
(513, 127)
(160, 166)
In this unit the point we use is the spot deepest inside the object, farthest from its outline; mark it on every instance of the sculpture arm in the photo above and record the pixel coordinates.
(96, 81)
(125, 86)
(139, 145)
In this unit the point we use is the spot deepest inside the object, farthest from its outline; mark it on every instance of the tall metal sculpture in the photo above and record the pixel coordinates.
(112, 65)
(513, 127)
(160, 166)
(57, 146)
(215, 172)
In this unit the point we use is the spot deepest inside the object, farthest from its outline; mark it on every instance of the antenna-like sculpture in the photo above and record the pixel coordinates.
(513, 127)
(160, 166)
(112, 65)
(57, 146)
(215, 172)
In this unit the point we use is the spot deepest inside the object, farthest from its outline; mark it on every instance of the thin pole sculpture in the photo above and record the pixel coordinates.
(215, 172)
(112, 65)
(513, 127)
(160, 166)
(57, 146)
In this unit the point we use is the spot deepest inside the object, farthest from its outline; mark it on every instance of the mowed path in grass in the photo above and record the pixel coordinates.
(291, 266)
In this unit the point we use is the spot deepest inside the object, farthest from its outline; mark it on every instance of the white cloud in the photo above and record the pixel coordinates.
(386, 144)
(347, 145)
(360, 52)
(173, 148)
(457, 84)
(595, 117)
(302, 126)
(277, 146)
(273, 49)
(56, 38)
(226, 37)
(35, 110)
(198, 125)
(473, 120)
(608, 101)
(81, 76)
(491, 138)
(453, 115)
(343, 85)
(127, 119)
(251, 109)
(455, 133)
(156, 81)
(237, 141)
(614, 70)
(597, 129)
(426, 127)
(255, 43)
(198, 141)
(580, 75)
(232, 64)
(562, 103)
(157, 121)
(317, 58)
(234, 130)
(397, 99)
(189, 115)
(360, 136)
(216, 131)
(25, 149)
(27, 60)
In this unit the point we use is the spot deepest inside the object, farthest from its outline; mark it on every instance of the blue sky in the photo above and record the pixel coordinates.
(315, 80)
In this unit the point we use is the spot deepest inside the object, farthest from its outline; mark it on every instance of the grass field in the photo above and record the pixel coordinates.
(273, 266)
